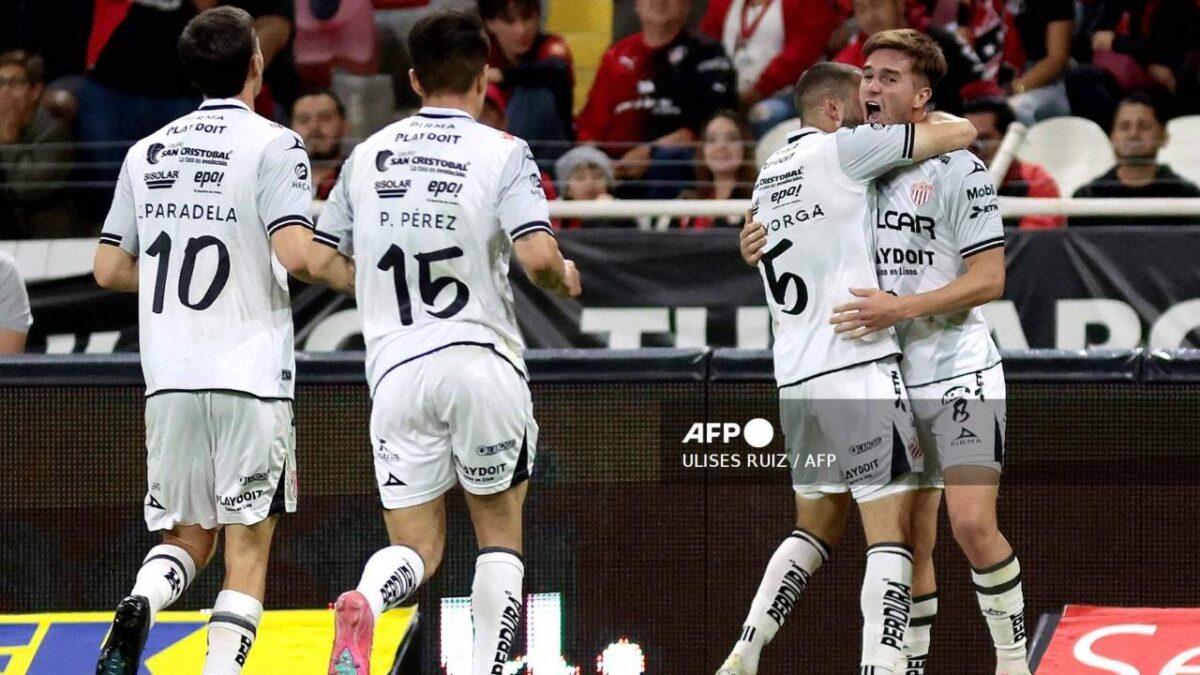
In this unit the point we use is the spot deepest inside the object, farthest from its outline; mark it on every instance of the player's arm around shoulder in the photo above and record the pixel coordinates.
(940, 133)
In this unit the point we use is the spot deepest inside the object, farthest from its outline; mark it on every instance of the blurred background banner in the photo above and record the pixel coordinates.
(1100, 287)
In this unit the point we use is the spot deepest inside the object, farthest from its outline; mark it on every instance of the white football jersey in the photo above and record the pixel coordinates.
(812, 197)
(928, 218)
(196, 202)
(429, 208)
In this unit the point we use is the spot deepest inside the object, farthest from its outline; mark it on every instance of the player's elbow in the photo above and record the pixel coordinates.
(965, 133)
(539, 255)
(993, 288)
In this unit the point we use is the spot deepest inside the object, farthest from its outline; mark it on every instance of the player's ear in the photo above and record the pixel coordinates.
(416, 84)
(924, 94)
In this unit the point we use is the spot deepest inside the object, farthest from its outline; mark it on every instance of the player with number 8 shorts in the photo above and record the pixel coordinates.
(420, 228)
(209, 217)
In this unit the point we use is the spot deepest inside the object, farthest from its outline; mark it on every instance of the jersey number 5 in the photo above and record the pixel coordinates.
(161, 248)
(779, 283)
(430, 286)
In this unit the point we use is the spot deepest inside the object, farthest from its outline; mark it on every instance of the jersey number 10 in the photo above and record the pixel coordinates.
(161, 249)
(430, 286)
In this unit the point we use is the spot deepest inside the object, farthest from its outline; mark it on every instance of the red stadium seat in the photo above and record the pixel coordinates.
(347, 41)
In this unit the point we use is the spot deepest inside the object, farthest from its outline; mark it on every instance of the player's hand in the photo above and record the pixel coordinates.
(875, 310)
(751, 240)
(571, 281)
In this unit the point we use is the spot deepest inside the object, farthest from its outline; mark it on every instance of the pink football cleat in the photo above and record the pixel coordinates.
(353, 630)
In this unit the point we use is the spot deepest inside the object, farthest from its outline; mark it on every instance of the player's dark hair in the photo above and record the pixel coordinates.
(926, 55)
(509, 9)
(997, 106)
(324, 91)
(449, 51)
(821, 81)
(33, 65)
(216, 49)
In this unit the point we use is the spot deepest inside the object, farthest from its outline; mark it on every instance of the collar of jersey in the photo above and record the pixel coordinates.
(801, 133)
(223, 104)
(442, 113)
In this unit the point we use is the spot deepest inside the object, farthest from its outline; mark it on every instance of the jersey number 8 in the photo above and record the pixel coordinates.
(430, 287)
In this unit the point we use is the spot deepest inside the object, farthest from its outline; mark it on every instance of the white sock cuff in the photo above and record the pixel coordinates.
(891, 549)
(410, 555)
(175, 556)
(814, 542)
(500, 555)
(925, 606)
(237, 609)
(999, 577)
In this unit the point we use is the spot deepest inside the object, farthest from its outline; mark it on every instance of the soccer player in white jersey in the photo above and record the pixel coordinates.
(940, 255)
(421, 226)
(201, 226)
(838, 397)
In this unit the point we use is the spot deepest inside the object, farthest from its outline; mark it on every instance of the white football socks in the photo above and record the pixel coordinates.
(786, 577)
(390, 577)
(1002, 603)
(886, 603)
(496, 603)
(231, 632)
(166, 573)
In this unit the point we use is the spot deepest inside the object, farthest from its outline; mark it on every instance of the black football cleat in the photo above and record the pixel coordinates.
(122, 651)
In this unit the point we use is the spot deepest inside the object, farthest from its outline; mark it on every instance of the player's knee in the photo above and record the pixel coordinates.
(972, 528)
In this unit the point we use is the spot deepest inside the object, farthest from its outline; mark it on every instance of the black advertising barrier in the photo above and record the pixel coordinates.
(1101, 287)
(1098, 500)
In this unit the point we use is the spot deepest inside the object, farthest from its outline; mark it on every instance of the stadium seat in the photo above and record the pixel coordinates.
(1073, 149)
(1182, 151)
(347, 40)
(775, 139)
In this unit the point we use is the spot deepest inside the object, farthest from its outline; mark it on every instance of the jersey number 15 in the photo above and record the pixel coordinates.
(430, 286)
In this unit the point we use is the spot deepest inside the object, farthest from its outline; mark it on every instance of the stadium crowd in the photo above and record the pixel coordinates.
(675, 110)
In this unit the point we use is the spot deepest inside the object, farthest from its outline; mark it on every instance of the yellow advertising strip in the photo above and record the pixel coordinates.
(289, 641)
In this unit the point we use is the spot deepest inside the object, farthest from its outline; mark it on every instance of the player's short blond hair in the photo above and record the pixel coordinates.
(927, 57)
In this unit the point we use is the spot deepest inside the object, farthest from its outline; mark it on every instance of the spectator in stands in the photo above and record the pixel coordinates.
(990, 113)
(983, 24)
(320, 119)
(138, 84)
(963, 66)
(1137, 134)
(586, 174)
(1154, 33)
(1041, 57)
(652, 91)
(15, 318)
(534, 71)
(771, 42)
(725, 169)
(35, 156)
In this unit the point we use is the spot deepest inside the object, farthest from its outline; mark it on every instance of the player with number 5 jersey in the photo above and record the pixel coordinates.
(430, 210)
(209, 217)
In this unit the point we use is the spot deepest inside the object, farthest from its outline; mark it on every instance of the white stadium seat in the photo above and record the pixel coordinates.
(1182, 151)
(1073, 149)
(775, 139)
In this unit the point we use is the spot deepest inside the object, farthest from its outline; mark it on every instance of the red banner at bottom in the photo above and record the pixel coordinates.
(1104, 640)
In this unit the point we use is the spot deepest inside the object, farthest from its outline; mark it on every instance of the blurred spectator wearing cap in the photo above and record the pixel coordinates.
(653, 91)
(1040, 53)
(534, 71)
(15, 317)
(586, 174)
(771, 43)
(990, 113)
(725, 169)
(1137, 134)
(320, 119)
(963, 66)
(35, 156)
